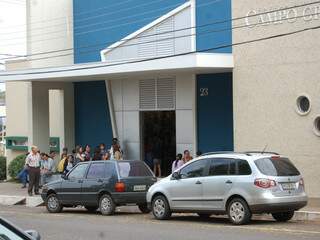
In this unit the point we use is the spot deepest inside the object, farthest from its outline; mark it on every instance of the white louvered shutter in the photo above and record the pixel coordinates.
(166, 93)
(147, 94)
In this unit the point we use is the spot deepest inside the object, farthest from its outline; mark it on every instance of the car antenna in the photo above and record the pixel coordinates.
(265, 148)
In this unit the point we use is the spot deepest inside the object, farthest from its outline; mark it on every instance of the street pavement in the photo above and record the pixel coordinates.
(129, 224)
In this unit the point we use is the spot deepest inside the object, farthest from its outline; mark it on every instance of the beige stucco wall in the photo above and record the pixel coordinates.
(268, 78)
(49, 28)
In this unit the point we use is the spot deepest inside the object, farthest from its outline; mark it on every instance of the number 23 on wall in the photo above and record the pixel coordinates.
(204, 92)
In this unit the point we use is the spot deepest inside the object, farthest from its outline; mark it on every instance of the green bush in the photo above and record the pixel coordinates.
(16, 165)
(3, 170)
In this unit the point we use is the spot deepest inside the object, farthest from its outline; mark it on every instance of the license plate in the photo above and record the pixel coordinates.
(288, 186)
(139, 188)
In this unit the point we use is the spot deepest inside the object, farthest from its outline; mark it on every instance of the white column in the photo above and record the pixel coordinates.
(56, 115)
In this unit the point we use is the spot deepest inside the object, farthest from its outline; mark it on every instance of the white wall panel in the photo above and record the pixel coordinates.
(185, 91)
(184, 126)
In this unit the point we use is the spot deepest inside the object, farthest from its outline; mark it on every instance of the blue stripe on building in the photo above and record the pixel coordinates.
(109, 21)
(215, 112)
(214, 11)
(92, 119)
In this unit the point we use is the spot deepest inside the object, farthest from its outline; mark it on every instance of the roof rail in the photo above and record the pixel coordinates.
(222, 152)
(261, 152)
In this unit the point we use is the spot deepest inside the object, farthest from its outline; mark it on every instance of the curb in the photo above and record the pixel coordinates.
(306, 216)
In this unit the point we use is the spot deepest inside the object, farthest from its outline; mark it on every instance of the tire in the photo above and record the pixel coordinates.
(160, 208)
(283, 216)
(91, 208)
(204, 215)
(53, 204)
(144, 208)
(238, 212)
(106, 205)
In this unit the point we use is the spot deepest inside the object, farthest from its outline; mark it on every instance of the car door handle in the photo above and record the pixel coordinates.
(228, 182)
(198, 182)
(80, 181)
(100, 180)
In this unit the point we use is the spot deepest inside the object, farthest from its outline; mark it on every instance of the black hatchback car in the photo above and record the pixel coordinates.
(101, 184)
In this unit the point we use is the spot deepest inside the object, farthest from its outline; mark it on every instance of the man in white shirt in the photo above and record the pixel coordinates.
(33, 165)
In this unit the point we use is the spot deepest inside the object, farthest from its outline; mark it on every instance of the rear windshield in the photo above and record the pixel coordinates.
(134, 169)
(276, 167)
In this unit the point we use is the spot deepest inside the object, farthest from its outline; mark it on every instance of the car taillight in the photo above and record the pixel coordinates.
(265, 183)
(120, 187)
(301, 182)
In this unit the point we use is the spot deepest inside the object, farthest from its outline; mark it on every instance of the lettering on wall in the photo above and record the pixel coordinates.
(204, 92)
(255, 18)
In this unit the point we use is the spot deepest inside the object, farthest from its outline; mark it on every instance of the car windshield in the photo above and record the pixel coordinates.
(276, 167)
(134, 169)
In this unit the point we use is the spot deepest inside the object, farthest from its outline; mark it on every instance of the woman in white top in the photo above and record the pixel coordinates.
(177, 163)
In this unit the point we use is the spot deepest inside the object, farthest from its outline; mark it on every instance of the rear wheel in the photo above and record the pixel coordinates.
(144, 208)
(107, 205)
(160, 208)
(53, 204)
(283, 216)
(239, 212)
(91, 208)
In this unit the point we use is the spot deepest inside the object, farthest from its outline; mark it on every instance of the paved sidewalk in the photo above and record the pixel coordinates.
(11, 193)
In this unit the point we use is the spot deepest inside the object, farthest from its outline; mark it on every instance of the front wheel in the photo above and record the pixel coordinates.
(239, 212)
(107, 205)
(53, 204)
(283, 216)
(144, 208)
(160, 208)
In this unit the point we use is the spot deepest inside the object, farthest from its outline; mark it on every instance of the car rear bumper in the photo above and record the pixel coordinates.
(129, 198)
(278, 207)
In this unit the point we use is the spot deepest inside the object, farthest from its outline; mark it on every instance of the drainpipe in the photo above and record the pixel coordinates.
(111, 109)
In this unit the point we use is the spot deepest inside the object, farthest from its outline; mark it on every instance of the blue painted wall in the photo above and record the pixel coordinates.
(108, 21)
(207, 12)
(215, 112)
(92, 119)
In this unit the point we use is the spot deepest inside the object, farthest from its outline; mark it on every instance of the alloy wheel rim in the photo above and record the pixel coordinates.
(237, 212)
(105, 205)
(159, 207)
(53, 202)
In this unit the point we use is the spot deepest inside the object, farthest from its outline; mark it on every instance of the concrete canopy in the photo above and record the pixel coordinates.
(194, 62)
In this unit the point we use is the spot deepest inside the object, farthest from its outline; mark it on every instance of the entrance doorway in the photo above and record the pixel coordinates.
(158, 137)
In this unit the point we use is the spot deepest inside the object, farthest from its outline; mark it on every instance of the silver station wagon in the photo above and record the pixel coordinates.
(236, 184)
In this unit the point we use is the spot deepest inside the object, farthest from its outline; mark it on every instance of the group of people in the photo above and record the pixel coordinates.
(39, 167)
(182, 159)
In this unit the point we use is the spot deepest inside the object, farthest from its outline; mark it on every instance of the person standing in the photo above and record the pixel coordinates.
(79, 155)
(115, 150)
(87, 153)
(186, 156)
(33, 165)
(102, 149)
(157, 156)
(47, 169)
(177, 163)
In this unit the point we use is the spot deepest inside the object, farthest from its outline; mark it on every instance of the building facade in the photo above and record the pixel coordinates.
(197, 75)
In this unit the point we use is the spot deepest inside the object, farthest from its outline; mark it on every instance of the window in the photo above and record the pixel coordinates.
(96, 170)
(317, 126)
(303, 105)
(8, 234)
(243, 167)
(276, 167)
(195, 169)
(134, 169)
(219, 166)
(110, 170)
(78, 172)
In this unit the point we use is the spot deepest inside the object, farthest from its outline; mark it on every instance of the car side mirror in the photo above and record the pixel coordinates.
(34, 234)
(176, 175)
(63, 176)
